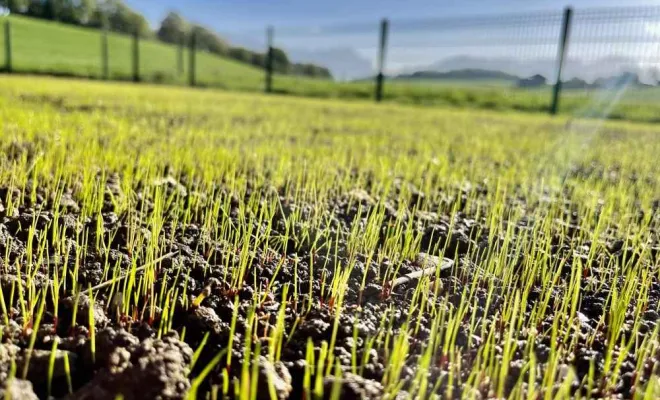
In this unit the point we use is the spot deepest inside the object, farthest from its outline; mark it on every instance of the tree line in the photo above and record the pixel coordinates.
(116, 16)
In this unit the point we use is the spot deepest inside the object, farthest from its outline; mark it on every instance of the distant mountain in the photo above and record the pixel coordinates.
(344, 63)
(625, 79)
(460, 74)
(504, 64)
(587, 70)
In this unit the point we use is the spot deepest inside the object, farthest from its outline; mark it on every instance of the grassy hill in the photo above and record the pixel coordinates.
(40, 46)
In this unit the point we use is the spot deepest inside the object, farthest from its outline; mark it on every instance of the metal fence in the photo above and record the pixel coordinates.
(516, 61)
(32, 46)
(522, 60)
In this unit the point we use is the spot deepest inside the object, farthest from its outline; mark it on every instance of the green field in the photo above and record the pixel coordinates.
(163, 242)
(43, 47)
(40, 46)
(642, 105)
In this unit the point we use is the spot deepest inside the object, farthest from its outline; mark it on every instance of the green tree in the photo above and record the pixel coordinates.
(208, 40)
(173, 28)
(140, 25)
(51, 9)
(311, 70)
(240, 54)
(100, 14)
(85, 10)
(60, 10)
(280, 61)
(67, 12)
(15, 6)
(35, 8)
(121, 18)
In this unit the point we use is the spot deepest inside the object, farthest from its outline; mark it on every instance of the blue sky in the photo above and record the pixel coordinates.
(239, 15)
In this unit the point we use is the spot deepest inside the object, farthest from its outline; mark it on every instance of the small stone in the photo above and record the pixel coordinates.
(426, 216)
(17, 389)
(582, 318)
(352, 387)
(361, 196)
(275, 375)
(172, 184)
(8, 352)
(204, 319)
(107, 341)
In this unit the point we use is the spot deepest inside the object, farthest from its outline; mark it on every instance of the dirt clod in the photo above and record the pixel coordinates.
(83, 304)
(352, 387)
(39, 364)
(157, 369)
(17, 389)
(275, 376)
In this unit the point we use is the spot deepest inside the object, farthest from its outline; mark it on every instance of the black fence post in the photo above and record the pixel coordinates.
(269, 59)
(136, 56)
(104, 54)
(191, 66)
(561, 54)
(8, 66)
(384, 28)
(182, 44)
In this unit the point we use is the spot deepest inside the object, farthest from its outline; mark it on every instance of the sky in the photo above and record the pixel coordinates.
(239, 15)
(243, 23)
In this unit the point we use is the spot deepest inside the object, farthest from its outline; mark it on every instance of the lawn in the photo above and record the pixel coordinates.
(164, 242)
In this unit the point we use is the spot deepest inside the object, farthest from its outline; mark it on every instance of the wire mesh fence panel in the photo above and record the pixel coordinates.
(327, 61)
(612, 66)
(159, 62)
(49, 47)
(120, 56)
(489, 62)
(226, 67)
(225, 72)
(609, 60)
